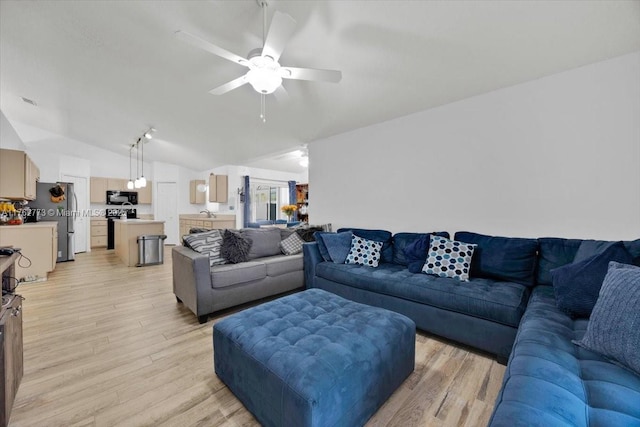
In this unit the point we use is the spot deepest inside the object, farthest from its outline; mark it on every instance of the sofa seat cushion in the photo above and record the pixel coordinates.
(502, 302)
(550, 381)
(233, 274)
(283, 264)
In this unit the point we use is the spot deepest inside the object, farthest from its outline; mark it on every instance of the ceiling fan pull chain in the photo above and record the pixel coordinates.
(263, 107)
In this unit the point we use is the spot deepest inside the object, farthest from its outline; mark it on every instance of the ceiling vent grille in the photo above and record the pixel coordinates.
(29, 101)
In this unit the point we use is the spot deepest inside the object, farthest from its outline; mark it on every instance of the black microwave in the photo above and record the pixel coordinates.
(122, 197)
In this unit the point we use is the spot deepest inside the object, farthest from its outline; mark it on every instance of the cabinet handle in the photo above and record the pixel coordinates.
(16, 311)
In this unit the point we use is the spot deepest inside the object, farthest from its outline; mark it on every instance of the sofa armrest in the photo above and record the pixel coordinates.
(191, 278)
(311, 258)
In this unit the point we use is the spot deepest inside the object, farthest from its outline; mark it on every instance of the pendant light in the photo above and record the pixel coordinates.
(130, 184)
(143, 180)
(136, 183)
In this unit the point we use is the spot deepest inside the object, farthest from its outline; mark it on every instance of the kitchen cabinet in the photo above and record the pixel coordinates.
(126, 232)
(38, 242)
(196, 197)
(98, 232)
(98, 189)
(144, 194)
(11, 355)
(18, 175)
(220, 222)
(117, 184)
(218, 188)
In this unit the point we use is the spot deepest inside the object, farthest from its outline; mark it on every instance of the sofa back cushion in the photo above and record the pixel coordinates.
(377, 236)
(503, 258)
(402, 240)
(264, 241)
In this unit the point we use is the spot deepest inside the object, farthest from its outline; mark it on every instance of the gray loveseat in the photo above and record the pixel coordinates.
(204, 289)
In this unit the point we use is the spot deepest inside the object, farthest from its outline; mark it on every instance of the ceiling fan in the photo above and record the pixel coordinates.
(265, 72)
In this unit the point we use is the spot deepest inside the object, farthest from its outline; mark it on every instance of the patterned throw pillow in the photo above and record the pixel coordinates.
(449, 258)
(613, 327)
(292, 244)
(208, 243)
(364, 252)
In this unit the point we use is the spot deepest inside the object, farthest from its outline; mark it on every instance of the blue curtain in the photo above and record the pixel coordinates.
(293, 198)
(247, 202)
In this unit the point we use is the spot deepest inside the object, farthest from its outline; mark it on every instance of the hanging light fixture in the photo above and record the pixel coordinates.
(130, 184)
(143, 180)
(136, 183)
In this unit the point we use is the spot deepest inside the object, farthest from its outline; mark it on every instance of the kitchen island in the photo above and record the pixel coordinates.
(126, 232)
(38, 242)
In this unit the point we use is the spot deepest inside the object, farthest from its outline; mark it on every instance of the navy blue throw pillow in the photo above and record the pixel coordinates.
(416, 254)
(577, 286)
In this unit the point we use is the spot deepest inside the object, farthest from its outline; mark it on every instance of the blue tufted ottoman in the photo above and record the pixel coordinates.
(314, 359)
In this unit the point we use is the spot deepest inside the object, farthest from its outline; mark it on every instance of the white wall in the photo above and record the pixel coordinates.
(8, 137)
(558, 156)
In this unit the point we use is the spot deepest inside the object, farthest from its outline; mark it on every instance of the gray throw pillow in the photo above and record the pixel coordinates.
(235, 247)
(613, 327)
(208, 243)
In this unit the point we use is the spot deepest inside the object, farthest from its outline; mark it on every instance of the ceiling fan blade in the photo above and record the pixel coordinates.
(282, 26)
(229, 86)
(311, 74)
(209, 47)
(281, 94)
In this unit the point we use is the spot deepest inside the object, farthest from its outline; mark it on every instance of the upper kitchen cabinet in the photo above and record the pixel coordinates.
(144, 194)
(195, 196)
(18, 175)
(218, 191)
(117, 184)
(98, 190)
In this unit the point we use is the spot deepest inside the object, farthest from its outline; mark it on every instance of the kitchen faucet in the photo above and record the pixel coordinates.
(209, 213)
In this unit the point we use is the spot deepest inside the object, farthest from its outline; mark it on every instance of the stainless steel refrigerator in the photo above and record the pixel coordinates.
(61, 211)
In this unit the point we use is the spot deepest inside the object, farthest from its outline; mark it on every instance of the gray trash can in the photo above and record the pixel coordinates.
(150, 249)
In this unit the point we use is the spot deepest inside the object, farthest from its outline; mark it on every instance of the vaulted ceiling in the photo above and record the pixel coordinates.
(103, 71)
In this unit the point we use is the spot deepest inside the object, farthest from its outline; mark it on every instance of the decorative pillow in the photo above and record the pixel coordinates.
(235, 247)
(589, 248)
(511, 259)
(292, 244)
(576, 286)
(334, 247)
(364, 252)
(378, 236)
(613, 327)
(208, 243)
(416, 253)
(400, 241)
(449, 258)
(307, 233)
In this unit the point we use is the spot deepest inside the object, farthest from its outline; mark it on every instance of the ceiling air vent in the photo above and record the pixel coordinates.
(29, 101)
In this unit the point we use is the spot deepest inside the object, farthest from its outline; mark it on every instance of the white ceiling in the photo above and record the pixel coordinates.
(103, 71)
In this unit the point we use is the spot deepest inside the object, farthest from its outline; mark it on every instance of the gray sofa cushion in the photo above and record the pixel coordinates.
(283, 264)
(233, 274)
(264, 241)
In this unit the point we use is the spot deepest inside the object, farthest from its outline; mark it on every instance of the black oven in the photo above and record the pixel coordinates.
(116, 213)
(122, 197)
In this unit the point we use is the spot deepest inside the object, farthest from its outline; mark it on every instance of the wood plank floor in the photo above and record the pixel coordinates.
(108, 345)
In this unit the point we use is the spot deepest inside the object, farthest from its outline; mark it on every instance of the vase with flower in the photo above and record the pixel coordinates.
(288, 210)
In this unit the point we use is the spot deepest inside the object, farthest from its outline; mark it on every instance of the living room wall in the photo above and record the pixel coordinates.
(557, 156)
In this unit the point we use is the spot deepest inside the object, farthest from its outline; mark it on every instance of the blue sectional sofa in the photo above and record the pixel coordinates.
(507, 308)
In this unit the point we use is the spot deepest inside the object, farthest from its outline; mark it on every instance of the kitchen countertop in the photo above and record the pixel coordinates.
(204, 217)
(40, 224)
(138, 221)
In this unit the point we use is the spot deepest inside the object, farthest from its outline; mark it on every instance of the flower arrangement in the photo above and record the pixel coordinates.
(289, 210)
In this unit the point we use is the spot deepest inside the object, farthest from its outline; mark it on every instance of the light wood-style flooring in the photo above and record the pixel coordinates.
(109, 345)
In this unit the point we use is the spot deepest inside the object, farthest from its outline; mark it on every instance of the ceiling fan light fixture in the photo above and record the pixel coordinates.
(304, 162)
(264, 74)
